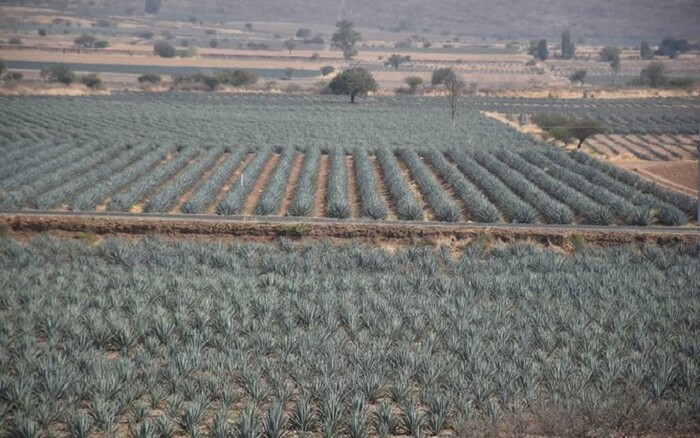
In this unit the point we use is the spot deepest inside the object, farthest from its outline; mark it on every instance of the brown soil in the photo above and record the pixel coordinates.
(381, 188)
(414, 188)
(678, 175)
(292, 184)
(260, 183)
(353, 198)
(25, 226)
(230, 183)
(139, 206)
(322, 181)
(202, 179)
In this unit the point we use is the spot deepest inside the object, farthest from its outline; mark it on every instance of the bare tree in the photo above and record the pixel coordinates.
(454, 86)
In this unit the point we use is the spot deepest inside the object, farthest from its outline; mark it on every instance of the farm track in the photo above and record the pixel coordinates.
(321, 183)
(260, 184)
(381, 188)
(353, 199)
(292, 183)
(63, 223)
(211, 209)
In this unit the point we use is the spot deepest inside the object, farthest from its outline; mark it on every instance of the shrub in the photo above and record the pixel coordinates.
(58, 73)
(15, 41)
(42, 32)
(213, 43)
(149, 79)
(102, 44)
(237, 78)
(92, 81)
(327, 69)
(14, 76)
(85, 41)
(164, 49)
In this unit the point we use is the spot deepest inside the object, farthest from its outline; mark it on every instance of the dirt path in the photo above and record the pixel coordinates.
(429, 215)
(381, 188)
(447, 188)
(254, 195)
(202, 179)
(211, 209)
(353, 198)
(292, 183)
(321, 182)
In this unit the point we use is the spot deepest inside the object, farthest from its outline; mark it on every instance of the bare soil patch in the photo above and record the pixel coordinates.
(260, 184)
(292, 183)
(321, 182)
(677, 175)
(353, 199)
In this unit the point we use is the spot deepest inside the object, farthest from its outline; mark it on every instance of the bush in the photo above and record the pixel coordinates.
(149, 79)
(15, 41)
(14, 76)
(189, 52)
(85, 41)
(318, 39)
(209, 83)
(237, 78)
(92, 81)
(164, 49)
(42, 32)
(303, 33)
(210, 32)
(58, 73)
(213, 43)
(146, 35)
(102, 44)
(326, 70)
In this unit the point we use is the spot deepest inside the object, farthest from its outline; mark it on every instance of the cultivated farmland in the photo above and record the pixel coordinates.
(309, 157)
(208, 338)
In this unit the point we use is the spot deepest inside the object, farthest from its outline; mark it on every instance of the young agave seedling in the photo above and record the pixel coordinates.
(438, 414)
(414, 421)
(165, 426)
(384, 420)
(357, 426)
(221, 426)
(247, 425)
(303, 418)
(275, 423)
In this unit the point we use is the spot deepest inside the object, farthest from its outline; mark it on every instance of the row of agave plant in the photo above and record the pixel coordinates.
(168, 338)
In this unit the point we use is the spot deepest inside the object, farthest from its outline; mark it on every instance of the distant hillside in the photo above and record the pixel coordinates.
(589, 19)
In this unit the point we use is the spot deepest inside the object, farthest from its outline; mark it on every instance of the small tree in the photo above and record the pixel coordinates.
(237, 78)
(149, 79)
(58, 73)
(353, 82)
(249, 26)
(164, 49)
(152, 6)
(609, 53)
(92, 81)
(671, 47)
(440, 75)
(327, 69)
(413, 83)
(213, 43)
(654, 74)
(42, 32)
(564, 128)
(542, 50)
(454, 87)
(345, 39)
(303, 33)
(290, 44)
(645, 51)
(396, 60)
(578, 76)
(568, 48)
(3, 66)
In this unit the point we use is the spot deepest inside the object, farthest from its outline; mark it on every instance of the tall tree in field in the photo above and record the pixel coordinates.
(345, 39)
(353, 82)
(153, 6)
(542, 50)
(568, 48)
(654, 74)
(396, 60)
(454, 88)
(611, 54)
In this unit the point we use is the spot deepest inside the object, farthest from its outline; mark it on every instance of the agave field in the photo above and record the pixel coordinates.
(200, 154)
(152, 338)
(667, 115)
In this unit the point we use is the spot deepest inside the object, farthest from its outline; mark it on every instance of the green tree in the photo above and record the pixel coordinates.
(303, 33)
(353, 82)
(152, 6)
(164, 49)
(85, 41)
(609, 53)
(396, 60)
(671, 47)
(578, 76)
(149, 79)
(455, 88)
(565, 128)
(542, 50)
(345, 39)
(327, 69)
(213, 43)
(645, 51)
(290, 44)
(237, 78)
(568, 48)
(440, 75)
(58, 73)
(92, 81)
(413, 83)
(654, 74)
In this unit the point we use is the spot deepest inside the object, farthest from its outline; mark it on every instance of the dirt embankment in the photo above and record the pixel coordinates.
(382, 234)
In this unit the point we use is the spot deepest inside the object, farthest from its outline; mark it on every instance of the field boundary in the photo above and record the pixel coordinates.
(270, 228)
